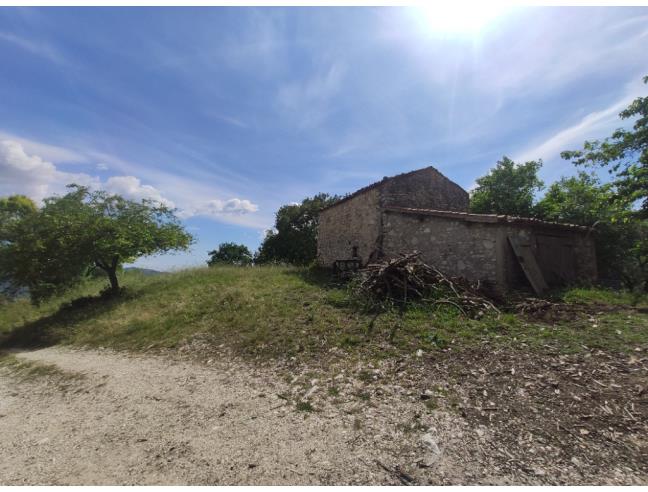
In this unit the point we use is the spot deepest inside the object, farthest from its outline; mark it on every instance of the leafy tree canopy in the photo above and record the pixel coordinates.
(625, 153)
(584, 200)
(580, 199)
(508, 189)
(16, 205)
(13, 208)
(294, 239)
(230, 254)
(51, 249)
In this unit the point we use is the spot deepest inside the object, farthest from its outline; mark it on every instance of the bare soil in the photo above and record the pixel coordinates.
(475, 417)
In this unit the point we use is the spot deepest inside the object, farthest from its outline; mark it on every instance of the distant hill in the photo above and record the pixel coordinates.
(24, 292)
(144, 271)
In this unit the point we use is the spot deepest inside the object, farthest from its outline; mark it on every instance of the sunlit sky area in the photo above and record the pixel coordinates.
(228, 113)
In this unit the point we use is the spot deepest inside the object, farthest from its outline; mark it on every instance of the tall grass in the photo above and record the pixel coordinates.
(280, 312)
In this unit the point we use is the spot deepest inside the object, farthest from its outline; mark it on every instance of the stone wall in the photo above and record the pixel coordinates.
(352, 223)
(480, 251)
(355, 221)
(427, 188)
(458, 248)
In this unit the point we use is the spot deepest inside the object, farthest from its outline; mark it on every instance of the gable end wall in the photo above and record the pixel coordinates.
(355, 222)
(427, 188)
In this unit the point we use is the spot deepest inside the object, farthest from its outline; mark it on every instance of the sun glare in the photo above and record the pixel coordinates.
(457, 17)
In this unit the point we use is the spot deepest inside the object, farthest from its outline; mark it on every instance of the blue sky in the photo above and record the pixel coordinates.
(228, 113)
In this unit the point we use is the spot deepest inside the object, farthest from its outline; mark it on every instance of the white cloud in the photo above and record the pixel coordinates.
(132, 188)
(31, 175)
(47, 152)
(26, 172)
(233, 206)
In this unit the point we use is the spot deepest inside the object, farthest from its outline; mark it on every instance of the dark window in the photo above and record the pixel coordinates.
(355, 252)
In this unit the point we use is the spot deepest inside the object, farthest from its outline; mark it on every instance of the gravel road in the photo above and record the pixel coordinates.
(104, 417)
(152, 420)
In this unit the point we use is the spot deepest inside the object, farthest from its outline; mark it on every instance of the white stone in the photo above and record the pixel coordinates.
(310, 392)
(430, 443)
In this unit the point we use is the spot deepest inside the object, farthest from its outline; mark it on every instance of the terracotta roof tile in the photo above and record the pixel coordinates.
(488, 218)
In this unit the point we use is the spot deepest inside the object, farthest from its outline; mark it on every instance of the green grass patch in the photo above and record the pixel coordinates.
(304, 406)
(333, 391)
(282, 312)
(604, 296)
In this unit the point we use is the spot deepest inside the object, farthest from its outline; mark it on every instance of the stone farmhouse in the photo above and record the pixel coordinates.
(424, 211)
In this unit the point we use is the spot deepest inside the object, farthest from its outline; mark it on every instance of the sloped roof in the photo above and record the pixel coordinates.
(377, 184)
(489, 218)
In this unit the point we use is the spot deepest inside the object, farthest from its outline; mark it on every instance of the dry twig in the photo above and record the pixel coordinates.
(407, 278)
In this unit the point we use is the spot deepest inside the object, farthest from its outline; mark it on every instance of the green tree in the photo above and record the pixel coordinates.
(16, 206)
(507, 189)
(580, 199)
(625, 153)
(230, 254)
(583, 200)
(12, 209)
(52, 249)
(294, 238)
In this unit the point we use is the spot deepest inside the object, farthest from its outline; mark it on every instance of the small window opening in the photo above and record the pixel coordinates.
(354, 254)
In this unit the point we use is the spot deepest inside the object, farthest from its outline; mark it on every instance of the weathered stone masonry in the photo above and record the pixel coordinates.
(424, 211)
(455, 247)
(476, 246)
(353, 225)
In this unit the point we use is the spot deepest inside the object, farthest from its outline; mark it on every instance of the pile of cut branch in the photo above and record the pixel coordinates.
(407, 278)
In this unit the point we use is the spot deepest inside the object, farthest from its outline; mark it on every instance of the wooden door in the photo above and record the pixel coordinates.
(556, 259)
(527, 259)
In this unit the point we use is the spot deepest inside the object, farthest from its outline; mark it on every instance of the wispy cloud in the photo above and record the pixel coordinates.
(231, 121)
(308, 101)
(257, 47)
(594, 125)
(567, 47)
(35, 47)
(48, 152)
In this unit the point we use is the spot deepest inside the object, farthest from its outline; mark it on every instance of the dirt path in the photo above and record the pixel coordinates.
(113, 418)
(136, 420)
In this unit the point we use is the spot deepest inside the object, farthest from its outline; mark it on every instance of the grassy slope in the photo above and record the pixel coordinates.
(279, 311)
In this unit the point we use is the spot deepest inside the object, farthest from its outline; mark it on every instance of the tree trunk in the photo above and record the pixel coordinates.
(112, 275)
(114, 283)
(111, 271)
